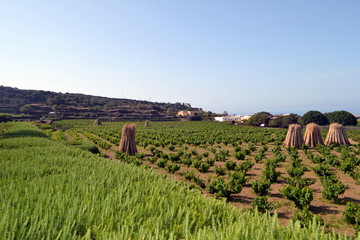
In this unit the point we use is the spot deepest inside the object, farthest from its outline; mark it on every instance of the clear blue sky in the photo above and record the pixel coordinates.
(238, 56)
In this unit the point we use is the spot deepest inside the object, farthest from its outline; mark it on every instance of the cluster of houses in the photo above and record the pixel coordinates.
(234, 118)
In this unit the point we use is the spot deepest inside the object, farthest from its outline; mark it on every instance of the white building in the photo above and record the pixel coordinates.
(186, 113)
(235, 118)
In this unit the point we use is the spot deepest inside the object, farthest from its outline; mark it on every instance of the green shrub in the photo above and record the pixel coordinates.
(347, 166)
(210, 161)
(323, 170)
(317, 159)
(332, 188)
(244, 166)
(261, 188)
(279, 157)
(276, 150)
(194, 152)
(220, 170)
(206, 154)
(269, 172)
(237, 179)
(204, 167)
(199, 182)
(140, 155)
(174, 157)
(220, 158)
(296, 171)
(152, 160)
(224, 152)
(239, 155)
(305, 217)
(260, 156)
(188, 175)
(171, 147)
(196, 163)
(172, 168)
(237, 149)
(230, 165)
(300, 182)
(220, 188)
(262, 205)
(187, 162)
(301, 197)
(161, 163)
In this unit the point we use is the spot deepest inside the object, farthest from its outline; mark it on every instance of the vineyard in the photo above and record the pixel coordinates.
(56, 190)
(246, 166)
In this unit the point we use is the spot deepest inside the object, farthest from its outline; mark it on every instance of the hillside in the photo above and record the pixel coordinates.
(39, 104)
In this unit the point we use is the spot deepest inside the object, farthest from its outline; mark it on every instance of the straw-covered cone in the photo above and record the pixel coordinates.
(147, 123)
(294, 137)
(97, 122)
(312, 136)
(127, 143)
(336, 135)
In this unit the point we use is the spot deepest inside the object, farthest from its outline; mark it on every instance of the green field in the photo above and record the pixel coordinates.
(52, 191)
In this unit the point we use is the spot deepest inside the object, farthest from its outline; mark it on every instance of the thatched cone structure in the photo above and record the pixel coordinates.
(97, 122)
(127, 142)
(312, 136)
(336, 135)
(147, 123)
(294, 137)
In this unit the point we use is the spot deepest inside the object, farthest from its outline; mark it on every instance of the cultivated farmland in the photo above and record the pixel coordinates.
(245, 165)
(50, 190)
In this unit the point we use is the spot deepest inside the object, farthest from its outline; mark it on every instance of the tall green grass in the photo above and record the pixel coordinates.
(51, 191)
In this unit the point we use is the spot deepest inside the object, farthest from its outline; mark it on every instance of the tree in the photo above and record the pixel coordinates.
(314, 117)
(5, 117)
(284, 121)
(276, 122)
(342, 117)
(260, 118)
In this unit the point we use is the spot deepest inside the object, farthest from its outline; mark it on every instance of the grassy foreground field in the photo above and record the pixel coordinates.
(51, 191)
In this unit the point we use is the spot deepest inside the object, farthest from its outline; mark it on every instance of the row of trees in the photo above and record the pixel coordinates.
(343, 117)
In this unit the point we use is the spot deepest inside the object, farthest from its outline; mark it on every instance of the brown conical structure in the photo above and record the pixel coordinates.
(97, 122)
(127, 143)
(312, 136)
(294, 137)
(147, 123)
(336, 135)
